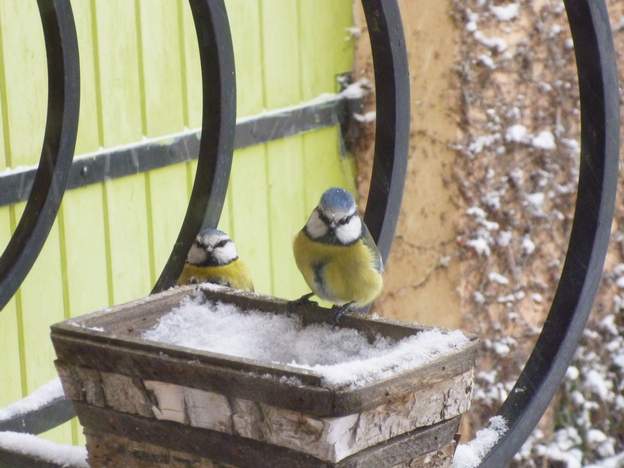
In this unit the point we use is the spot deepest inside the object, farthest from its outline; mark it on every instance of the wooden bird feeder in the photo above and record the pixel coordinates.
(146, 403)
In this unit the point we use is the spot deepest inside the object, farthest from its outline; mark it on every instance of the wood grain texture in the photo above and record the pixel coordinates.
(10, 337)
(323, 45)
(250, 222)
(331, 439)
(140, 77)
(125, 201)
(119, 348)
(11, 340)
(24, 100)
(285, 171)
(125, 431)
(131, 454)
(162, 109)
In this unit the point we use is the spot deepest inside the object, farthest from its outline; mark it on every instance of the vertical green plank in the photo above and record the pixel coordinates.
(25, 80)
(119, 104)
(285, 157)
(82, 216)
(249, 187)
(42, 305)
(325, 51)
(249, 215)
(25, 98)
(118, 66)
(324, 54)
(244, 20)
(163, 111)
(191, 66)
(225, 222)
(10, 372)
(167, 191)
(160, 57)
(83, 223)
(323, 166)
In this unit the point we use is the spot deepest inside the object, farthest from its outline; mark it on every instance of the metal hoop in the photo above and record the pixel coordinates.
(554, 350)
(215, 159)
(217, 137)
(393, 120)
(58, 147)
(596, 193)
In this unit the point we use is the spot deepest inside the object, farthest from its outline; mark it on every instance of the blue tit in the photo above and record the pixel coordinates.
(213, 259)
(337, 255)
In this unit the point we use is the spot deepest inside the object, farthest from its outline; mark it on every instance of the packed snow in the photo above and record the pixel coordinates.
(470, 455)
(341, 356)
(505, 12)
(496, 43)
(517, 134)
(28, 444)
(37, 399)
(544, 140)
(366, 117)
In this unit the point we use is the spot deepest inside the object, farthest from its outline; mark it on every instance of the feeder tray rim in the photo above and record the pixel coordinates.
(90, 329)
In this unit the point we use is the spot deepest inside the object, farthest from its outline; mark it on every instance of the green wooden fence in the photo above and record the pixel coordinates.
(141, 78)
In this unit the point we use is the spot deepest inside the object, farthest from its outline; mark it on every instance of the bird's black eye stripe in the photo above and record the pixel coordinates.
(324, 218)
(221, 243)
(346, 219)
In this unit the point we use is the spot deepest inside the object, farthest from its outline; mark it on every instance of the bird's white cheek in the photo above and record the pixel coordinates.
(196, 255)
(350, 232)
(225, 254)
(315, 226)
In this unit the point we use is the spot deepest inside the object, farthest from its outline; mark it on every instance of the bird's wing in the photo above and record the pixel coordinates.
(368, 240)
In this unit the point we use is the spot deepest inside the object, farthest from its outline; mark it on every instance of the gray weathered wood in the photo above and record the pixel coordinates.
(330, 439)
(145, 403)
(242, 452)
(122, 351)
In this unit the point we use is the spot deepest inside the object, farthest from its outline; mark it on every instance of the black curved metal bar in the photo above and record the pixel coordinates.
(546, 367)
(217, 137)
(46, 417)
(215, 159)
(58, 147)
(393, 120)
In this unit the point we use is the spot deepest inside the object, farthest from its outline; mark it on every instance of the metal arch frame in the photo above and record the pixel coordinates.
(217, 136)
(217, 142)
(392, 127)
(211, 179)
(214, 163)
(589, 239)
(58, 147)
(594, 210)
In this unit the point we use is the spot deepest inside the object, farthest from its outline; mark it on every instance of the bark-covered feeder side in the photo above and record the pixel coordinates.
(148, 403)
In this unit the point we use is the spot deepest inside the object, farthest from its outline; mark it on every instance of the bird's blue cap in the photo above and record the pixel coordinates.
(211, 232)
(337, 199)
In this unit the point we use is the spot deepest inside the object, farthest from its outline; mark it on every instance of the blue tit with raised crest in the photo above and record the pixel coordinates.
(212, 258)
(337, 255)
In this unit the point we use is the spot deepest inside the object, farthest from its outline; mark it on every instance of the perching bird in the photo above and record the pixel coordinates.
(337, 255)
(213, 259)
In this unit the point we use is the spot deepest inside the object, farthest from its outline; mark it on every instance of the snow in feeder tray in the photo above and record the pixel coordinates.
(341, 356)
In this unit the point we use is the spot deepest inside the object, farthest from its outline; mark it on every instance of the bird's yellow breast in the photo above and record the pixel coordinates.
(234, 275)
(337, 273)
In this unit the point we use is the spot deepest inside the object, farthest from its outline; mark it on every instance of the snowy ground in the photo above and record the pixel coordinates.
(517, 170)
